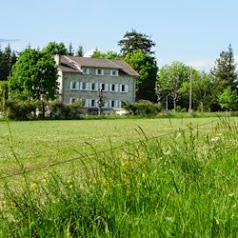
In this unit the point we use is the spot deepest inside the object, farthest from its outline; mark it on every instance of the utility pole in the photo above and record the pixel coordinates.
(190, 94)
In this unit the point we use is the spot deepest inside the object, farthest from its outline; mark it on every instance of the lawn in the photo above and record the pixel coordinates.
(39, 144)
(155, 178)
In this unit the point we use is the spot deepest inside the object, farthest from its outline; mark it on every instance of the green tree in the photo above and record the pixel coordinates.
(200, 84)
(7, 59)
(79, 51)
(147, 68)
(134, 41)
(55, 48)
(107, 55)
(33, 76)
(225, 75)
(70, 49)
(171, 79)
(228, 99)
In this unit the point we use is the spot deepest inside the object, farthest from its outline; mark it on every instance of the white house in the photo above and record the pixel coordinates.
(84, 77)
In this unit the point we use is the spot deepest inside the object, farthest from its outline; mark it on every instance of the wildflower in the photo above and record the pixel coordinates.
(33, 186)
(215, 139)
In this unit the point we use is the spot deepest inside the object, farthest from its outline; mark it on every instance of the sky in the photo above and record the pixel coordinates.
(190, 31)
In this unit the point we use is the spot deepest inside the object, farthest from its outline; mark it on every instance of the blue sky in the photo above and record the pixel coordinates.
(191, 31)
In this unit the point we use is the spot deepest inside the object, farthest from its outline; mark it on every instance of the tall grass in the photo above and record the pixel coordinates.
(182, 187)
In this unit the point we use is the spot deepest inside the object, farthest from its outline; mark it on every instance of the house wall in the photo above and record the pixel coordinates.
(72, 88)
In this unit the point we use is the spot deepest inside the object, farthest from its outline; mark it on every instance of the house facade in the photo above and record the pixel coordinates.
(85, 78)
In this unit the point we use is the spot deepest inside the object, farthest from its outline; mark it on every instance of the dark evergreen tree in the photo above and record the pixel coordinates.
(225, 75)
(225, 70)
(134, 41)
(70, 49)
(79, 51)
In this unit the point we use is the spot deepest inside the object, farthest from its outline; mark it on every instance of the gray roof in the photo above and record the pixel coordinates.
(74, 63)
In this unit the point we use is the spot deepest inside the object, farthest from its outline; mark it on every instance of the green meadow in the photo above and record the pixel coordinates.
(119, 178)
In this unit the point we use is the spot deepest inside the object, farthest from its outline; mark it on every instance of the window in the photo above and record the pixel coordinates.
(72, 100)
(124, 88)
(103, 87)
(85, 70)
(114, 72)
(84, 86)
(99, 72)
(93, 103)
(73, 85)
(93, 86)
(112, 103)
(114, 87)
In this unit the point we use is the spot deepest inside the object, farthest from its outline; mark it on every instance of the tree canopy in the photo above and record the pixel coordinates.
(33, 76)
(56, 48)
(134, 41)
(147, 68)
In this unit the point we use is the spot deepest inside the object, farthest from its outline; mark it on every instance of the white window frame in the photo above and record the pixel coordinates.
(113, 87)
(99, 72)
(83, 84)
(105, 87)
(72, 100)
(95, 86)
(74, 85)
(125, 88)
(85, 70)
(114, 72)
(93, 103)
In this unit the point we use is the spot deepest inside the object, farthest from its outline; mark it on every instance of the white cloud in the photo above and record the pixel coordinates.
(89, 53)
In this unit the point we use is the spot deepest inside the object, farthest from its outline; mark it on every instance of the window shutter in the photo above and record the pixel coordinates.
(126, 88)
(116, 87)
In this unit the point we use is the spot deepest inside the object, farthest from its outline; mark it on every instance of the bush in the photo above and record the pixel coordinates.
(142, 107)
(20, 110)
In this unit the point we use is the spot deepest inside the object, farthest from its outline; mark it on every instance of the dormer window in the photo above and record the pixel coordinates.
(114, 72)
(99, 72)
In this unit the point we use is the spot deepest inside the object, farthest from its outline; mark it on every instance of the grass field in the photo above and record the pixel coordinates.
(123, 178)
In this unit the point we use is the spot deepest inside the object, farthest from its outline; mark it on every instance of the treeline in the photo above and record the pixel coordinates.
(32, 75)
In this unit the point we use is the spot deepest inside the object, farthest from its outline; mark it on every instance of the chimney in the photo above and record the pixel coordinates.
(57, 59)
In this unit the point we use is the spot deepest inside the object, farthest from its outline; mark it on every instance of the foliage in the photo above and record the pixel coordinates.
(147, 68)
(70, 50)
(142, 108)
(171, 79)
(201, 88)
(20, 110)
(56, 48)
(33, 76)
(7, 59)
(228, 99)
(134, 41)
(59, 110)
(225, 70)
(79, 51)
(107, 55)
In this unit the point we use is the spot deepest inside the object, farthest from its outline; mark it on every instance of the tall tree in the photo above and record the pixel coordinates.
(134, 41)
(79, 51)
(33, 76)
(55, 48)
(7, 59)
(171, 79)
(147, 68)
(70, 49)
(200, 84)
(224, 71)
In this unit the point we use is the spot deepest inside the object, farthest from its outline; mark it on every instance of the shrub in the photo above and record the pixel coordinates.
(20, 110)
(142, 107)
